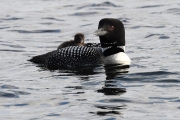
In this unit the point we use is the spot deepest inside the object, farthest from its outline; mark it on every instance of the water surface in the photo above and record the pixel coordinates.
(149, 89)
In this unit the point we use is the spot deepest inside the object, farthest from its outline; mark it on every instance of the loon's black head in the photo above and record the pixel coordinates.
(111, 32)
(79, 38)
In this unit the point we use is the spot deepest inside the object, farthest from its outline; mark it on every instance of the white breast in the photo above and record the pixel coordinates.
(119, 58)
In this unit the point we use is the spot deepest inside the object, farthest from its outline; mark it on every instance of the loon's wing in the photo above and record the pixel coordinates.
(73, 56)
(40, 59)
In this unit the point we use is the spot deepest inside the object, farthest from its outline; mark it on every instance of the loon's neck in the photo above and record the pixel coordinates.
(107, 51)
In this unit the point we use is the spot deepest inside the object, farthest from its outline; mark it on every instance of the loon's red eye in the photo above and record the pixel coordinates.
(112, 27)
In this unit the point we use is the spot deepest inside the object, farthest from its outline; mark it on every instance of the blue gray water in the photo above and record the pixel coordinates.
(149, 89)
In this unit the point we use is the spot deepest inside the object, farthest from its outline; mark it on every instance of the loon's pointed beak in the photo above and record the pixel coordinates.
(100, 32)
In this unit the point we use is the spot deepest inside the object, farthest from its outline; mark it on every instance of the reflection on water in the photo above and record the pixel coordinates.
(111, 85)
(115, 71)
(104, 113)
(112, 91)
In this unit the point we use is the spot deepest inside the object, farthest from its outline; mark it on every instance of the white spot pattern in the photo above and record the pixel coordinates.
(74, 56)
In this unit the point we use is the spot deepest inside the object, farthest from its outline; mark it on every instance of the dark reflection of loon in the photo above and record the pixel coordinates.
(113, 72)
(108, 110)
(103, 113)
(112, 86)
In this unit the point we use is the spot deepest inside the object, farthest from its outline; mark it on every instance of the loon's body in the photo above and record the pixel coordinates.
(78, 41)
(112, 39)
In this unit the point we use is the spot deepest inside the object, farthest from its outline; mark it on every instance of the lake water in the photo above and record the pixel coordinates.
(149, 89)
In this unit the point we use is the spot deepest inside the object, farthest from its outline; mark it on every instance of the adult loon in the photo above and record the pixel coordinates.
(78, 41)
(112, 51)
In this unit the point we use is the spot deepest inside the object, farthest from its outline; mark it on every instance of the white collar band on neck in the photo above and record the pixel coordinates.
(122, 47)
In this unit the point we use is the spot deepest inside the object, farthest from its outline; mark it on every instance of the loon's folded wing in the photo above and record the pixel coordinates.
(73, 56)
(40, 59)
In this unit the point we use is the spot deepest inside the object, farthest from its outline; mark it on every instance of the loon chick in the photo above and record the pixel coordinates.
(78, 41)
(112, 51)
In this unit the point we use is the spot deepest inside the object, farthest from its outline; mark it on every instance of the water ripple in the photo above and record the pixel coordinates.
(136, 27)
(11, 105)
(21, 92)
(51, 18)
(37, 31)
(162, 98)
(153, 77)
(103, 4)
(84, 13)
(8, 87)
(156, 73)
(4, 27)
(13, 18)
(53, 114)
(164, 37)
(115, 101)
(110, 107)
(106, 4)
(86, 25)
(174, 11)
(176, 100)
(168, 81)
(161, 36)
(124, 20)
(75, 87)
(12, 50)
(63, 103)
(13, 46)
(8, 95)
(151, 6)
